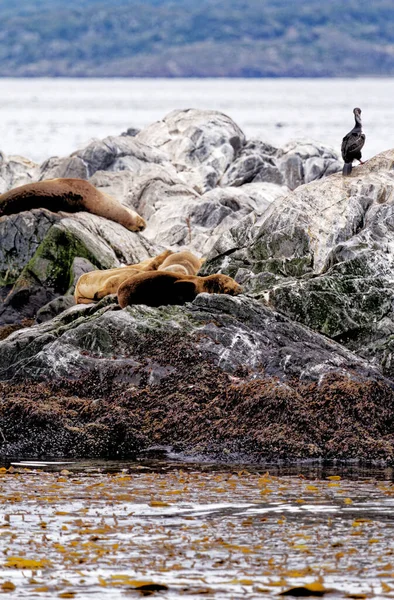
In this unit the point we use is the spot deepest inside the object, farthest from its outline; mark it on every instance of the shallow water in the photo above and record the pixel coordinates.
(103, 530)
(45, 117)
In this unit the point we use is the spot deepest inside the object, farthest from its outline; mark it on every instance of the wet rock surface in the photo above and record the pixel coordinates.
(253, 374)
(222, 375)
(231, 332)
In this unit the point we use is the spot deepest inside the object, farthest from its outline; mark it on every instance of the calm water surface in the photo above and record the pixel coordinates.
(116, 530)
(45, 117)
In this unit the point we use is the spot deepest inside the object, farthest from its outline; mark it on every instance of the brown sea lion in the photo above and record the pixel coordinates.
(183, 262)
(69, 195)
(158, 288)
(93, 286)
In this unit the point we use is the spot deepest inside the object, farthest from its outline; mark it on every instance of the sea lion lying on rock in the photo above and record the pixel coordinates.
(69, 195)
(93, 286)
(157, 289)
(184, 263)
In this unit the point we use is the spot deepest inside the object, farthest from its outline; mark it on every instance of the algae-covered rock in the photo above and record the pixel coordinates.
(324, 256)
(20, 235)
(232, 332)
(222, 377)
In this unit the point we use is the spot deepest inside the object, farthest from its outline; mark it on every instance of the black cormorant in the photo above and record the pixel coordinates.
(352, 144)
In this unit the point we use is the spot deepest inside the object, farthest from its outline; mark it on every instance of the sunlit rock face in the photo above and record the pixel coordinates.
(313, 251)
(200, 144)
(15, 171)
(324, 255)
(192, 176)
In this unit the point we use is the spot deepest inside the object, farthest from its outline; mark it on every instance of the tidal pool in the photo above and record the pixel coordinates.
(116, 530)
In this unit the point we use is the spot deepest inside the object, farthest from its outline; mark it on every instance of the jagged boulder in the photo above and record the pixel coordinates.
(324, 255)
(113, 153)
(49, 270)
(201, 144)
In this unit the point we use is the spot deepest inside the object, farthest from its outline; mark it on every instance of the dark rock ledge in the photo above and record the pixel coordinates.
(222, 377)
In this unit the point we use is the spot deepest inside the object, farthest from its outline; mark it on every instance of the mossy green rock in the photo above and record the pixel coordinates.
(324, 256)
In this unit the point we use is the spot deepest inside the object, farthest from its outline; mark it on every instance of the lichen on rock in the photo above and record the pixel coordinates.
(312, 335)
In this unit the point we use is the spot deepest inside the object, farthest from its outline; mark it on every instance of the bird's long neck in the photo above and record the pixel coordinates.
(358, 124)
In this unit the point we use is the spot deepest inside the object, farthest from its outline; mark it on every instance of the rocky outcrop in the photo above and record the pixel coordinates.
(323, 255)
(224, 377)
(257, 374)
(200, 144)
(191, 176)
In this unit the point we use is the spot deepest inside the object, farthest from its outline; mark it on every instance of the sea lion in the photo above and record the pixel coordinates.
(93, 286)
(69, 195)
(183, 262)
(158, 288)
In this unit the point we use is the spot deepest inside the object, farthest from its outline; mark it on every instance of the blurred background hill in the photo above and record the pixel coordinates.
(203, 38)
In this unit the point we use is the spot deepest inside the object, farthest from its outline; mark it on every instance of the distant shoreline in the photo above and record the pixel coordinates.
(197, 77)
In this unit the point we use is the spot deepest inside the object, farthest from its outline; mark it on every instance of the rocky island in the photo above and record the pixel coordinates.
(299, 366)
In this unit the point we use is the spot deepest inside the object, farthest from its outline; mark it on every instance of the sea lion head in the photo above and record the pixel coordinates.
(223, 284)
(139, 223)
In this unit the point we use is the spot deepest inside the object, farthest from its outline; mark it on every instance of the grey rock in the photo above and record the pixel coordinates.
(257, 161)
(16, 170)
(201, 144)
(232, 332)
(79, 267)
(299, 162)
(55, 167)
(323, 255)
(114, 153)
(54, 308)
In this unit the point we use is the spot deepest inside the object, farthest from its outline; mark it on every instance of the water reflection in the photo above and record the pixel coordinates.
(163, 460)
(109, 529)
